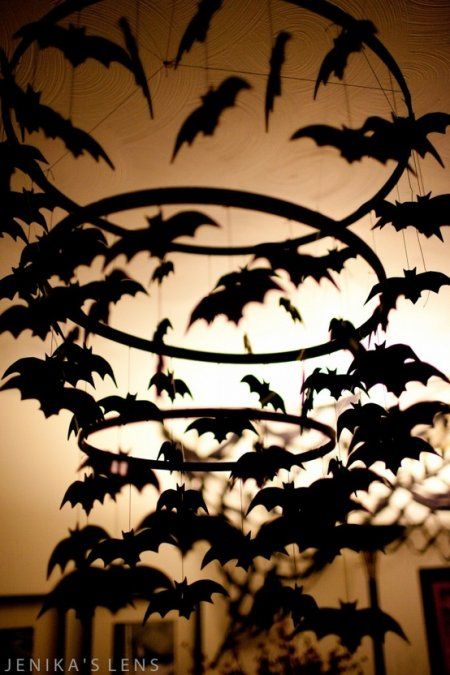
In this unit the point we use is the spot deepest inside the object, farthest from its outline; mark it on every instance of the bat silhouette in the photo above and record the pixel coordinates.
(183, 597)
(172, 386)
(91, 489)
(300, 266)
(335, 383)
(350, 624)
(393, 366)
(274, 602)
(158, 237)
(109, 291)
(32, 115)
(172, 453)
(351, 39)
(129, 407)
(359, 415)
(389, 438)
(26, 206)
(264, 464)
(220, 427)
(121, 469)
(163, 270)
(206, 117)
(288, 498)
(75, 547)
(232, 545)
(266, 395)
(129, 547)
(290, 309)
(80, 363)
(411, 286)
(198, 26)
(233, 292)
(380, 139)
(78, 47)
(277, 59)
(23, 157)
(114, 588)
(161, 330)
(181, 500)
(61, 251)
(428, 214)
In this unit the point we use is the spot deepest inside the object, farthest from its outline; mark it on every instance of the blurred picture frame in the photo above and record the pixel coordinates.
(152, 644)
(435, 585)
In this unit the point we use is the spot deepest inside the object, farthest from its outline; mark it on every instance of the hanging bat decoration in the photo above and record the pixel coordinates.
(350, 40)
(108, 292)
(172, 453)
(121, 469)
(359, 415)
(181, 500)
(392, 366)
(381, 139)
(80, 363)
(163, 270)
(78, 47)
(75, 547)
(277, 59)
(411, 286)
(161, 330)
(130, 407)
(130, 547)
(91, 489)
(25, 158)
(350, 624)
(233, 292)
(300, 266)
(274, 602)
(266, 395)
(171, 385)
(220, 427)
(26, 206)
(335, 383)
(232, 545)
(198, 27)
(206, 117)
(32, 116)
(264, 464)
(427, 215)
(159, 236)
(290, 309)
(114, 588)
(183, 597)
(389, 438)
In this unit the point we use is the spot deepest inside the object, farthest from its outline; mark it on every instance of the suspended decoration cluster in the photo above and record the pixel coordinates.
(46, 298)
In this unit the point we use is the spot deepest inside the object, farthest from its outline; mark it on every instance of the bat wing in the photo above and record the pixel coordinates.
(75, 547)
(109, 550)
(221, 427)
(93, 488)
(198, 26)
(135, 64)
(186, 224)
(162, 271)
(274, 80)
(197, 592)
(270, 498)
(78, 47)
(351, 143)
(290, 309)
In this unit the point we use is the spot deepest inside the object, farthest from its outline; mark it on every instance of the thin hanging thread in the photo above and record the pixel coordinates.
(378, 80)
(169, 35)
(242, 505)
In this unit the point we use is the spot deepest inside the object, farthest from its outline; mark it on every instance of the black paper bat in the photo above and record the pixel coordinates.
(198, 26)
(380, 139)
(220, 427)
(274, 602)
(290, 309)
(129, 547)
(109, 291)
(161, 330)
(75, 547)
(427, 215)
(411, 286)
(91, 489)
(277, 59)
(266, 395)
(350, 624)
(80, 363)
(264, 464)
(232, 545)
(289, 498)
(233, 292)
(206, 117)
(121, 468)
(348, 41)
(158, 237)
(331, 380)
(129, 407)
(392, 366)
(172, 386)
(299, 266)
(390, 440)
(25, 206)
(359, 415)
(114, 588)
(172, 453)
(163, 270)
(33, 116)
(23, 157)
(181, 500)
(78, 47)
(183, 597)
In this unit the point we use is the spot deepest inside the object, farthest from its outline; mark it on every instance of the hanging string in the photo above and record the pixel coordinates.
(242, 506)
(380, 86)
(169, 35)
(346, 584)
(72, 78)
